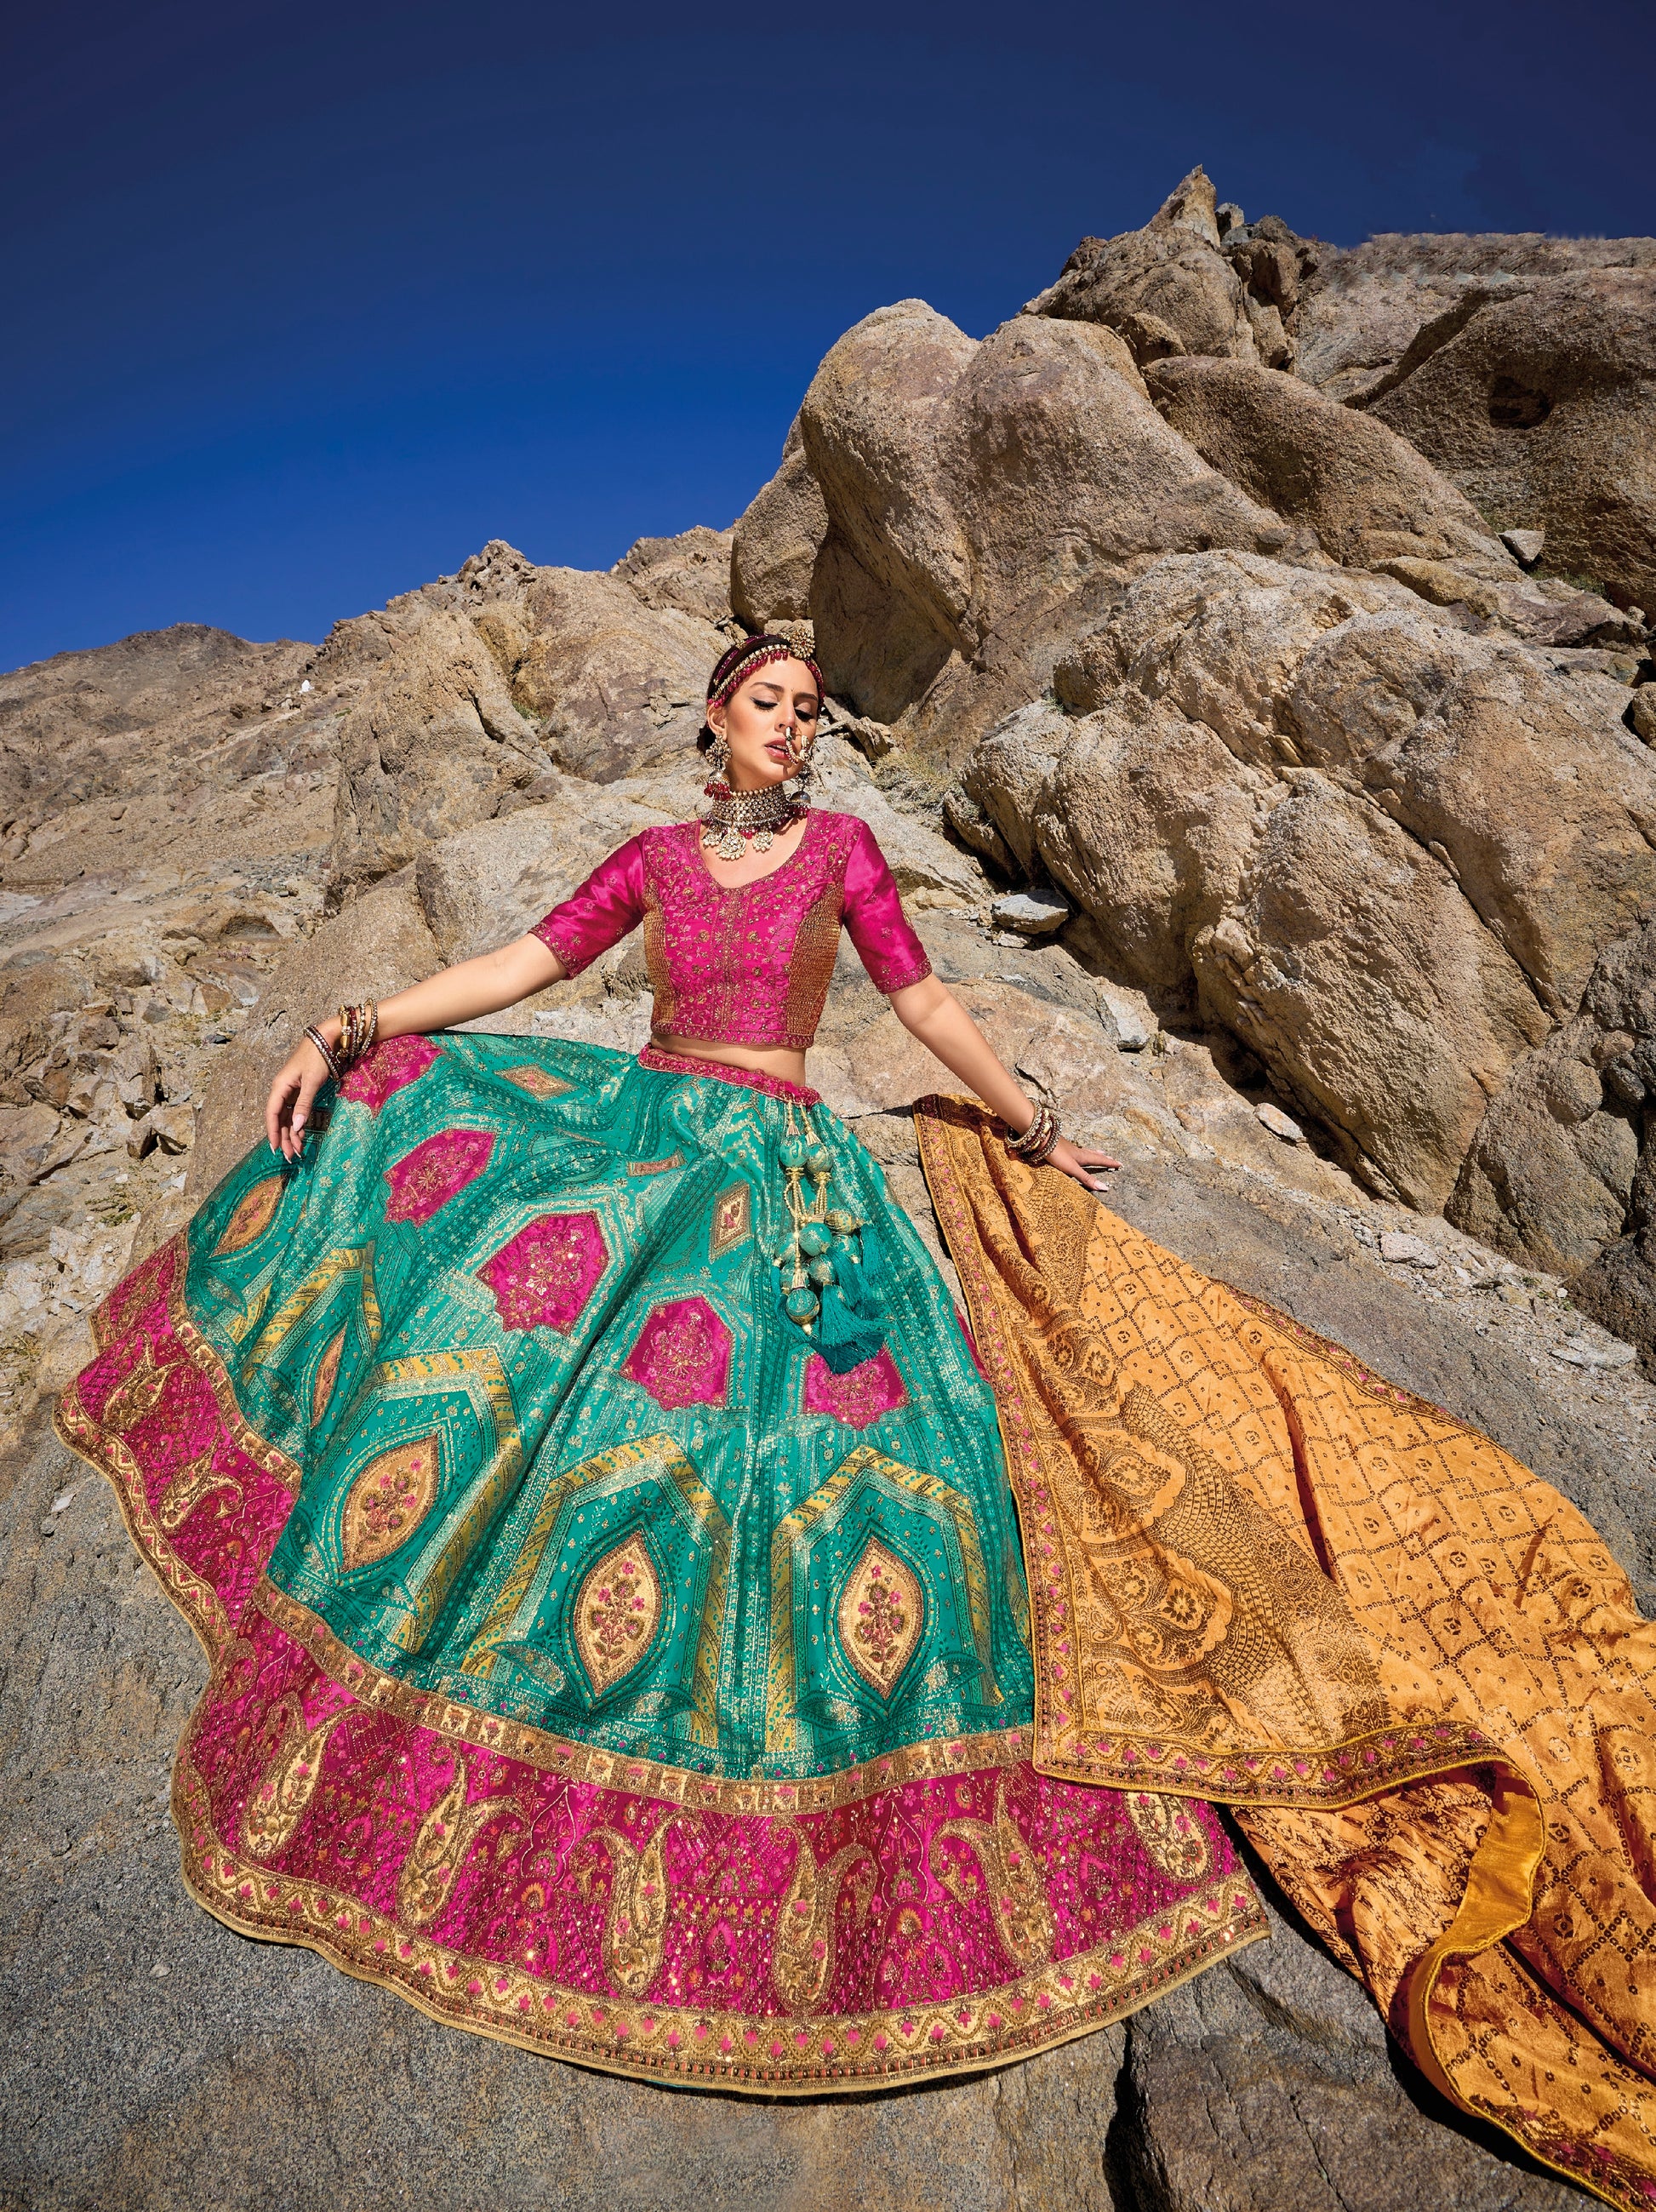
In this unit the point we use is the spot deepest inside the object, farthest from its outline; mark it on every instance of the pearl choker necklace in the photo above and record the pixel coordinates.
(735, 818)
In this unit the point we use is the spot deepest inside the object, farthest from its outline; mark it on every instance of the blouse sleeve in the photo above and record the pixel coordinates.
(608, 904)
(874, 918)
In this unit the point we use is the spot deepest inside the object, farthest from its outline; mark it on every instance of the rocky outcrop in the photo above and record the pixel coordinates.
(1381, 851)
(474, 689)
(1370, 314)
(776, 541)
(1183, 285)
(1542, 408)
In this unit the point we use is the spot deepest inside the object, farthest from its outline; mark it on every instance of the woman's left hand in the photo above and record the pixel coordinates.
(1080, 1162)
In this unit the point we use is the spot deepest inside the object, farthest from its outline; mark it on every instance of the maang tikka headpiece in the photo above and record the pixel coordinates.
(736, 817)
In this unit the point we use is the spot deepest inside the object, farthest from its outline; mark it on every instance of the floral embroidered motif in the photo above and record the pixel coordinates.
(682, 1355)
(284, 1792)
(732, 1222)
(636, 1925)
(189, 1486)
(442, 1848)
(327, 1374)
(801, 1964)
(388, 1500)
(859, 1397)
(545, 1276)
(1016, 1880)
(881, 1615)
(423, 1181)
(1172, 1838)
(255, 1210)
(390, 1067)
(617, 1615)
(536, 1081)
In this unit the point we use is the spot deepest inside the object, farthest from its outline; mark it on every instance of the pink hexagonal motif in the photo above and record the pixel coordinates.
(545, 1276)
(682, 1355)
(859, 1397)
(388, 1067)
(423, 1181)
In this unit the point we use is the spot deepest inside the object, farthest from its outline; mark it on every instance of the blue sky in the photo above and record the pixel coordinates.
(305, 303)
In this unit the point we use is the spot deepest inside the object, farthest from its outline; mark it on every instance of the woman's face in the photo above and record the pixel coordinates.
(769, 723)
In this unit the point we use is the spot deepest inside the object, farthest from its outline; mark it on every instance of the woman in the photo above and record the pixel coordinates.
(599, 1521)
(622, 1640)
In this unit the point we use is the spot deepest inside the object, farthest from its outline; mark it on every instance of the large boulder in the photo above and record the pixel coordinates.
(975, 494)
(1542, 409)
(1365, 492)
(775, 542)
(1383, 852)
(1557, 1170)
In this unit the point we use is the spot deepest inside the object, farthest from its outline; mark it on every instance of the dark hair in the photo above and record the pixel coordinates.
(739, 661)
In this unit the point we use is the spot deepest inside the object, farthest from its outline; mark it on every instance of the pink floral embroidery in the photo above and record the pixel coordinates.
(545, 1276)
(388, 1067)
(682, 1355)
(857, 1398)
(423, 1181)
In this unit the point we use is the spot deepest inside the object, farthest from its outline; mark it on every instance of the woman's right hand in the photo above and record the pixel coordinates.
(288, 1109)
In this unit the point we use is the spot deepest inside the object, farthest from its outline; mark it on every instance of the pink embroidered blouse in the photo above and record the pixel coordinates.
(750, 966)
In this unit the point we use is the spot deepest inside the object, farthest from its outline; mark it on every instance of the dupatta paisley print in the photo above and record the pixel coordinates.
(589, 1664)
(1262, 1576)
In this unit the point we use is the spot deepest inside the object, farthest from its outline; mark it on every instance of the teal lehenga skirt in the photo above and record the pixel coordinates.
(600, 1657)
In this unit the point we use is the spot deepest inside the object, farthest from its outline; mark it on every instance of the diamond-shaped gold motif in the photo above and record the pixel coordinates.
(732, 1222)
(881, 1613)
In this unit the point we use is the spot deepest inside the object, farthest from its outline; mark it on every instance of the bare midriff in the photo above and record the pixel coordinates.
(765, 1060)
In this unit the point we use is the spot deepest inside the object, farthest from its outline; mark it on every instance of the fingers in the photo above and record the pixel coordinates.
(308, 1087)
(276, 1108)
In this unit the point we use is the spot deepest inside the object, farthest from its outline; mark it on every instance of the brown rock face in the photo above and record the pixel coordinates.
(1368, 314)
(691, 572)
(1542, 409)
(1561, 1173)
(1169, 289)
(1365, 492)
(473, 691)
(1381, 851)
(973, 491)
(776, 541)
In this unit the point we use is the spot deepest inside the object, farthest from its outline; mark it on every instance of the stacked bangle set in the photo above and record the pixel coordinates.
(358, 1027)
(1036, 1143)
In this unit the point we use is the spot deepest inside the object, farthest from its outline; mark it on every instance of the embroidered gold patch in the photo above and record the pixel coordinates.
(1016, 1880)
(327, 1374)
(135, 1393)
(442, 1848)
(656, 1167)
(802, 1965)
(617, 1615)
(288, 1783)
(189, 1486)
(881, 1615)
(388, 1500)
(635, 1924)
(535, 1081)
(1174, 1841)
(255, 1212)
(733, 1223)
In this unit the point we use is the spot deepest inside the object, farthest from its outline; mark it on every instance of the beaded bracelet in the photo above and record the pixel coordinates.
(358, 1027)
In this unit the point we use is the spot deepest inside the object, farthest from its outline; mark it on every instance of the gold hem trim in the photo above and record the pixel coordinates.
(603, 2025)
